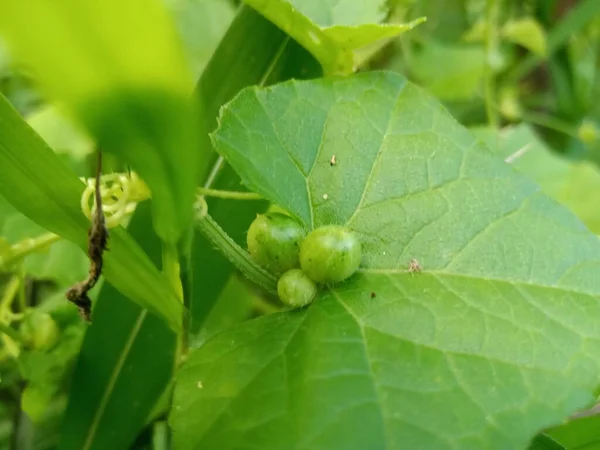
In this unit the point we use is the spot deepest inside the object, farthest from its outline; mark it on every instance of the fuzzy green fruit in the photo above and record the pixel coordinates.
(296, 289)
(274, 242)
(330, 254)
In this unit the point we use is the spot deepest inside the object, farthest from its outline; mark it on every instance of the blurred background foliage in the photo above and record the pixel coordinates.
(522, 74)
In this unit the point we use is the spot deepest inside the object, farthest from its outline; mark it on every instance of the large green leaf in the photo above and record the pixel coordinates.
(496, 339)
(125, 364)
(36, 182)
(332, 31)
(575, 184)
(117, 66)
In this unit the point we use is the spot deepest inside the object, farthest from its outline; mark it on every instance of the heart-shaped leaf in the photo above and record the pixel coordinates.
(332, 32)
(494, 340)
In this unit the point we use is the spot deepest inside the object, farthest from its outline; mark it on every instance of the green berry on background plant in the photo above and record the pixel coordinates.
(40, 331)
(274, 242)
(330, 254)
(295, 289)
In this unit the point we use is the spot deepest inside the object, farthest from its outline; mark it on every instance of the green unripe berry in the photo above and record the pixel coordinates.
(40, 331)
(296, 289)
(330, 254)
(274, 242)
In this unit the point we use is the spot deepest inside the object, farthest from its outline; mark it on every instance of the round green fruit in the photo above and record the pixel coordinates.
(40, 331)
(330, 254)
(296, 289)
(274, 242)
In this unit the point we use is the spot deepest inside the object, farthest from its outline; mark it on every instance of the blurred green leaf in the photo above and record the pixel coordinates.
(42, 188)
(579, 434)
(499, 324)
(117, 66)
(125, 364)
(528, 32)
(60, 133)
(332, 32)
(449, 71)
(575, 184)
(201, 25)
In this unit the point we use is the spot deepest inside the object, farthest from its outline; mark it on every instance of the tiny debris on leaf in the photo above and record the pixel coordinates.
(373, 295)
(414, 266)
(333, 161)
(199, 384)
(325, 196)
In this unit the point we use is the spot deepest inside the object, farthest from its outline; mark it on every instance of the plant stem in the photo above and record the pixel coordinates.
(160, 436)
(5, 316)
(170, 266)
(186, 277)
(27, 246)
(10, 332)
(208, 192)
(491, 48)
(234, 253)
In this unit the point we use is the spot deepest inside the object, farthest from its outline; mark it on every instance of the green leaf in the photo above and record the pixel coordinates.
(526, 31)
(60, 133)
(573, 183)
(545, 442)
(493, 341)
(119, 70)
(332, 32)
(125, 364)
(201, 25)
(579, 434)
(36, 182)
(461, 76)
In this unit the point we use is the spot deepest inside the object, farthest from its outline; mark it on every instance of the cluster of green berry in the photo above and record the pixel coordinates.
(327, 255)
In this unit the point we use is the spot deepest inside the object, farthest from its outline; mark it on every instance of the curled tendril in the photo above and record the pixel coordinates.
(120, 196)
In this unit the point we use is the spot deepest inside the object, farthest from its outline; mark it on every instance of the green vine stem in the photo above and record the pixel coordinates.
(491, 49)
(26, 246)
(232, 251)
(10, 332)
(8, 335)
(233, 195)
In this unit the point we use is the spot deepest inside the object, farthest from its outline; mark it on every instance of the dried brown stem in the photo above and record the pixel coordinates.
(97, 243)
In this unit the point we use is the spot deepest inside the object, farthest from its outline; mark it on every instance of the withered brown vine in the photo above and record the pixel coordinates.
(97, 242)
